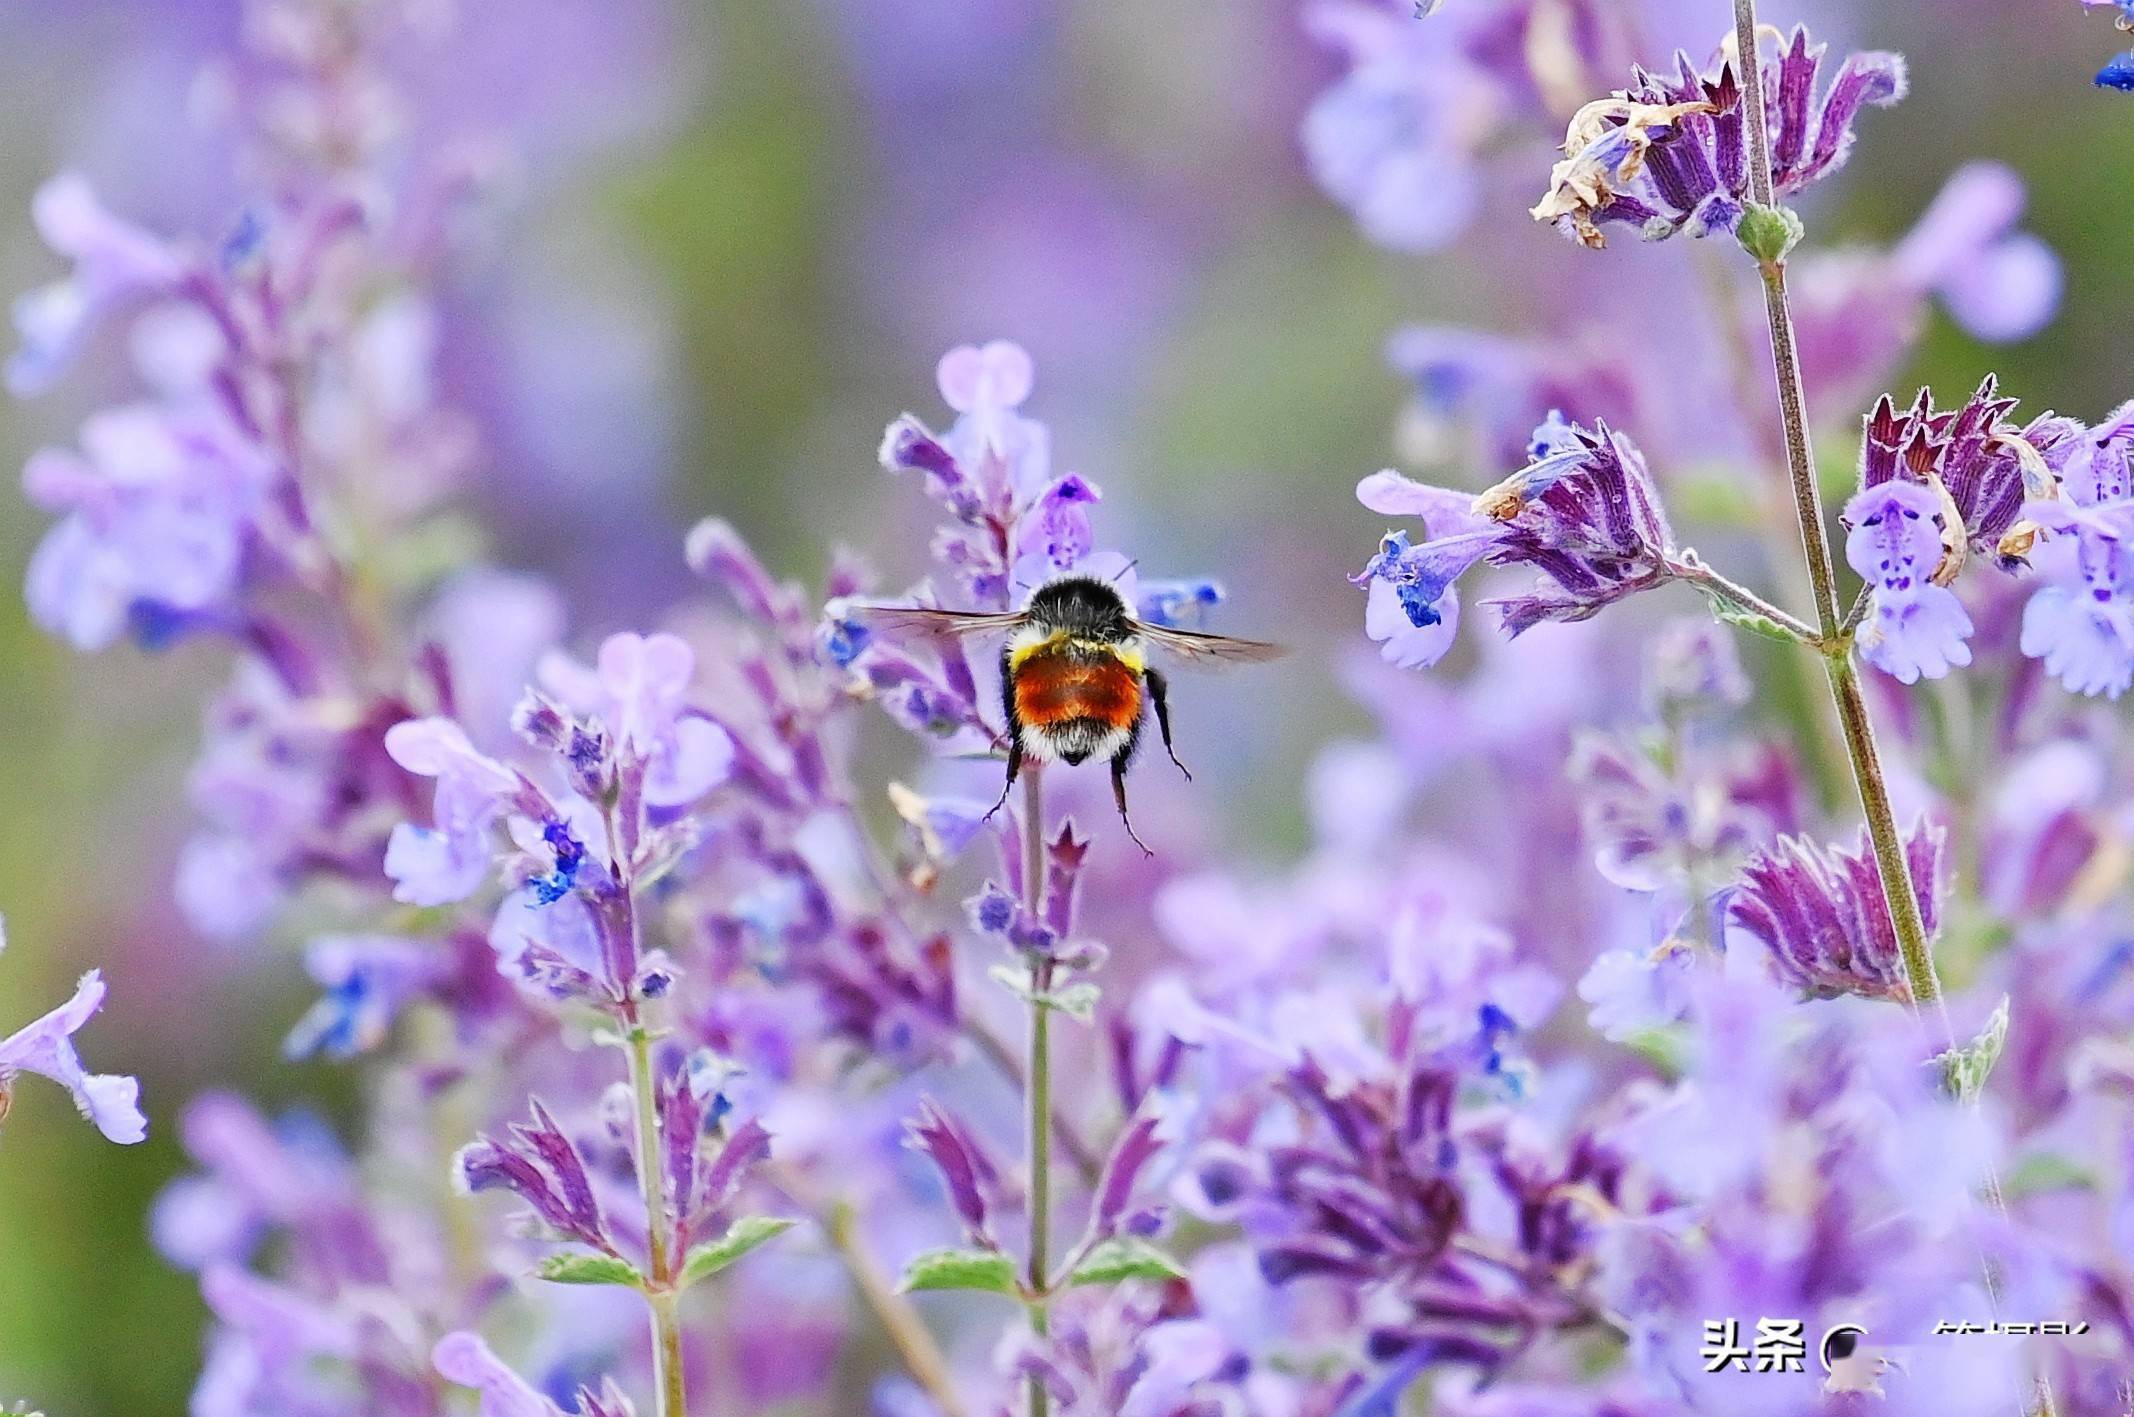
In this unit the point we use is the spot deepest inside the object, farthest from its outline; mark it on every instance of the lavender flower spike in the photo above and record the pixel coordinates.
(46, 1047)
(1668, 154)
(1822, 918)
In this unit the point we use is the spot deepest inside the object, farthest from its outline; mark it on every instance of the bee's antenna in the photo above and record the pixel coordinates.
(1120, 574)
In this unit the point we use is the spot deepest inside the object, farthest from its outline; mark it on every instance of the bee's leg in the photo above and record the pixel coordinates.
(1015, 765)
(1159, 692)
(1118, 792)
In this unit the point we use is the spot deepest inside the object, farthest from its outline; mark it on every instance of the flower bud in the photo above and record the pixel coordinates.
(1768, 233)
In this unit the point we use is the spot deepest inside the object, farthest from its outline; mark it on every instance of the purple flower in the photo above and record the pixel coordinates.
(995, 912)
(1632, 992)
(1937, 486)
(1693, 665)
(448, 861)
(1008, 457)
(1584, 513)
(540, 1165)
(553, 945)
(255, 1175)
(1053, 535)
(46, 1047)
(1668, 154)
(1822, 918)
(967, 1170)
(1985, 464)
(1649, 831)
(945, 826)
(155, 517)
(1403, 136)
(2081, 621)
(1179, 603)
(282, 1324)
(114, 263)
(1999, 283)
(1137, 1145)
(368, 979)
(463, 1358)
(638, 689)
(272, 783)
(1918, 627)
(1393, 140)
(1795, 1124)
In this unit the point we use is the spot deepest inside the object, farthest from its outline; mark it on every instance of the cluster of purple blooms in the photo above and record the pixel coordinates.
(649, 965)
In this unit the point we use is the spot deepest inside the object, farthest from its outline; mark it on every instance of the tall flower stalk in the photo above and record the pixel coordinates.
(662, 1296)
(1037, 1099)
(1769, 232)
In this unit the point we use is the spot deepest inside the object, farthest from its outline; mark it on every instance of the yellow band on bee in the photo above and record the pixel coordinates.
(1128, 654)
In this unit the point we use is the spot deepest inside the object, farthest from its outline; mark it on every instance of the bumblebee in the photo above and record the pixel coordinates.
(1074, 673)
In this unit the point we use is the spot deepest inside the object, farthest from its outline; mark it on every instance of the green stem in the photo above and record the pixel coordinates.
(1844, 677)
(1882, 831)
(1038, 1074)
(664, 1298)
(1693, 569)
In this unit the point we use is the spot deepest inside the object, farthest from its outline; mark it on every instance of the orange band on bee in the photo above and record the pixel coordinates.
(1053, 688)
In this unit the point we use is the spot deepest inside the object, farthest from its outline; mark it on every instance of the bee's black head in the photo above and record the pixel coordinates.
(1083, 606)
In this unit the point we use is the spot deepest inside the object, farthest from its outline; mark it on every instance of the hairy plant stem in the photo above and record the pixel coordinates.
(1844, 676)
(1882, 830)
(661, 1294)
(1038, 1075)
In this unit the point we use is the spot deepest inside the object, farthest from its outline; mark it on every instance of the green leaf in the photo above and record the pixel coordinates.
(1125, 1258)
(989, 1270)
(590, 1269)
(2048, 1171)
(1078, 1000)
(1755, 624)
(1964, 1070)
(742, 1236)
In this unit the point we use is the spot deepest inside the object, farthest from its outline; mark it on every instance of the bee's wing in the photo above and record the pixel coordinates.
(898, 620)
(1198, 650)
